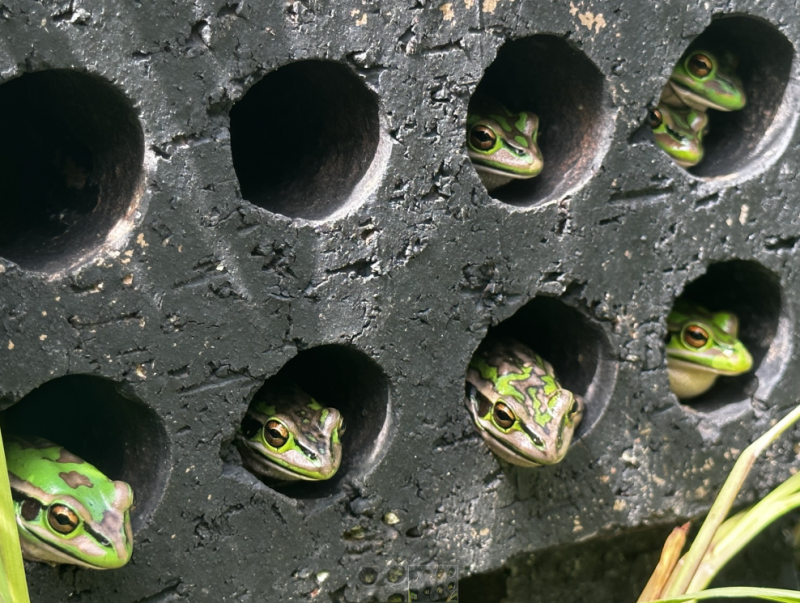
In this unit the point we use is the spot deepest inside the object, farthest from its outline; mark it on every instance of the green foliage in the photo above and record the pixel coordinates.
(13, 588)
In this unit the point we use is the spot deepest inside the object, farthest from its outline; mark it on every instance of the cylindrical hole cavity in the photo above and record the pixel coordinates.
(307, 166)
(752, 294)
(546, 76)
(104, 424)
(71, 167)
(294, 409)
(577, 350)
(741, 139)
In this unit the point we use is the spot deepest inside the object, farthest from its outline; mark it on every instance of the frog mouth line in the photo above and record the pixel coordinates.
(482, 167)
(684, 93)
(51, 545)
(692, 366)
(288, 471)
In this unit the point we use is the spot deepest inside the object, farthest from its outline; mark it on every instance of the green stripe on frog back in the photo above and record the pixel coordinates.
(503, 384)
(502, 121)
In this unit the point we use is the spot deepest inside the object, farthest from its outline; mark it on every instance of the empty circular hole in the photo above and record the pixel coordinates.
(103, 423)
(577, 349)
(753, 294)
(340, 377)
(71, 166)
(307, 166)
(546, 75)
(754, 136)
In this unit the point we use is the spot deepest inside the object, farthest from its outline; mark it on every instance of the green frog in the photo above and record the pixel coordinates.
(702, 346)
(287, 435)
(501, 143)
(679, 132)
(518, 406)
(67, 511)
(700, 81)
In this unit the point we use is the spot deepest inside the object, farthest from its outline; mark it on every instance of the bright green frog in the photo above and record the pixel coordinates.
(701, 347)
(700, 81)
(286, 435)
(502, 144)
(517, 405)
(67, 511)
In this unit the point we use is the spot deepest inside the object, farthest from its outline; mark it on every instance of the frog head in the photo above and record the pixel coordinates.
(518, 407)
(702, 80)
(702, 346)
(67, 511)
(679, 132)
(502, 144)
(286, 435)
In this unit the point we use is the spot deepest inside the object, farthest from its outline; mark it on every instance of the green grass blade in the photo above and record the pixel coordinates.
(737, 531)
(736, 592)
(13, 589)
(722, 504)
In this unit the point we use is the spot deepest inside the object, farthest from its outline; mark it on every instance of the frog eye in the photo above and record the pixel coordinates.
(700, 65)
(275, 433)
(695, 336)
(482, 138)
(342, 426)
(503, 415)
(654, 118)
(62, 519)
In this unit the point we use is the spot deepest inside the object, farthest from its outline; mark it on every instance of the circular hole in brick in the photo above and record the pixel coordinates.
(753, 293)
(340, 377)
(547, 76)
(71, 167)
(577, 349)
(306, 167)
(102, 422)
(754, 135)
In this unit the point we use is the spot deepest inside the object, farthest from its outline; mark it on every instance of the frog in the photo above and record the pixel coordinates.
(67, 511)
(679, 132)
(287, 436)
(702, 346)
(700, 81)
(518, 406)
(502, 144)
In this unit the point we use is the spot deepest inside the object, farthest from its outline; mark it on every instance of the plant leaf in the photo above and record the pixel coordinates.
(13, 588)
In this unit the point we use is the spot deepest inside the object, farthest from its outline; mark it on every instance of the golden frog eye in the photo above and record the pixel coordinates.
(482, 138)
(654, 118)
(62, 519)
(695, 336)
(342, 426)
(503, 415)
(275, 433)
(700, 65)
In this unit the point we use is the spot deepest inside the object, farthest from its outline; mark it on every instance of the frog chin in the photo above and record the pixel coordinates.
(34, 548)
(689, 379)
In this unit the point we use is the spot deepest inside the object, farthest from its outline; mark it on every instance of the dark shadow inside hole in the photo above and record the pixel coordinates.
(752, 293)
(483, 588)
(96, 419)
(765, 59)
(577, 350)
(546, 75)
(70, 168)
(347, 380)
(305, 167)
